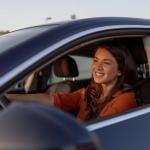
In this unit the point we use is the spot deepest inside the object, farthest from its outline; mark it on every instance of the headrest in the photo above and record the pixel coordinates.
(66, 67)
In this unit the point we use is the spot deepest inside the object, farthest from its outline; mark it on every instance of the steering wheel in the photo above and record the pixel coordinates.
(4, 102)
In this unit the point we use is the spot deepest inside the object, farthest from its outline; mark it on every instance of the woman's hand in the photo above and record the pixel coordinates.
(52, 90)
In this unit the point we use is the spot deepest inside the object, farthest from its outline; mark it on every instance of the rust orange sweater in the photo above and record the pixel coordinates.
(120, 102)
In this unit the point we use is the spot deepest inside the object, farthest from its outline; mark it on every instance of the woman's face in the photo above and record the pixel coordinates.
(105, 68)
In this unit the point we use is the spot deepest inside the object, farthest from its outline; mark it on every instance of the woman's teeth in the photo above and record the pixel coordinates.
(99, 74)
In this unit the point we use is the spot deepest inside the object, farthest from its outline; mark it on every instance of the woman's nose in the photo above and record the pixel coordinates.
(99, 66)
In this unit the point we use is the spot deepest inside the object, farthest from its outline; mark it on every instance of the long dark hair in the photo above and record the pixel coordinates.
(128, 77)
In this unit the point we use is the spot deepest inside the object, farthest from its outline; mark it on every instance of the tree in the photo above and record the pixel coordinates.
(3, 32)
(73, 16)
(47, 19)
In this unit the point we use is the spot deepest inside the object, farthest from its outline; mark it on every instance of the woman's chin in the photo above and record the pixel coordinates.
(98, 81)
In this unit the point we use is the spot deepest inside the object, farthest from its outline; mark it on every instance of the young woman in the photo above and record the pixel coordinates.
(109, 92)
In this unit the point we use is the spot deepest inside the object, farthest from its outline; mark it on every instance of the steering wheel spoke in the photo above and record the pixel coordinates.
(4, 102)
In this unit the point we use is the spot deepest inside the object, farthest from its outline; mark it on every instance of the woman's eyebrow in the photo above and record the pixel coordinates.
(108, 60)
(105, 59)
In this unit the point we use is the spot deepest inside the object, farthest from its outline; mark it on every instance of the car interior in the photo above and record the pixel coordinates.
(73, 70)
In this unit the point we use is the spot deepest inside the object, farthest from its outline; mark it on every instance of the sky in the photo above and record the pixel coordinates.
(17, 14)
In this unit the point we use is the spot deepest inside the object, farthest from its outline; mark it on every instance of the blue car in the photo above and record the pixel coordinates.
(31, 62)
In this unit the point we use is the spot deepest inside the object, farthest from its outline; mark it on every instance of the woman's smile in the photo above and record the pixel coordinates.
(99, 74)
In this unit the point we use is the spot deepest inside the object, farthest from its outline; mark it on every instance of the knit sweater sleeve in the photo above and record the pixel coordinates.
(68, 101)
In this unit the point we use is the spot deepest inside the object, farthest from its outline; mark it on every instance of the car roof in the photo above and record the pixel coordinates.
(61, 30)
(67, 28)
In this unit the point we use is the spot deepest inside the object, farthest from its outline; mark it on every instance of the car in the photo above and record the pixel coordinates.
(31, 61)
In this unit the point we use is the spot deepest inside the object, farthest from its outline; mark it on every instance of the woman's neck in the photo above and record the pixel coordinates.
(107, 88)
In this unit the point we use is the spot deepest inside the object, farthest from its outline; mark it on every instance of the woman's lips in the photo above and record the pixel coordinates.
(99, 74)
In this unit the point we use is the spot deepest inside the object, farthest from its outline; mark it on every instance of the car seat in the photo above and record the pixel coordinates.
(66, 68)
(142, 88)
(143, 85)
(139, 50)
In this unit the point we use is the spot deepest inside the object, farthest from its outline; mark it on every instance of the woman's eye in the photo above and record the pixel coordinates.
(107, 63)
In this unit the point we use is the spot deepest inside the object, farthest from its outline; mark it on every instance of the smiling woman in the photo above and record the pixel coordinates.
(109, 92)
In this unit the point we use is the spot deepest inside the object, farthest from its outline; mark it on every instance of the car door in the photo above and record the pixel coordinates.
(126, 131)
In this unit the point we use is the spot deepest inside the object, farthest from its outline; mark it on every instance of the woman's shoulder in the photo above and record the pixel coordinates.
(127, 92)
(125, 98)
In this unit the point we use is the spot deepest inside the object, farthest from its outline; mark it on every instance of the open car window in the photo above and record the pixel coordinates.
(39, 81)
